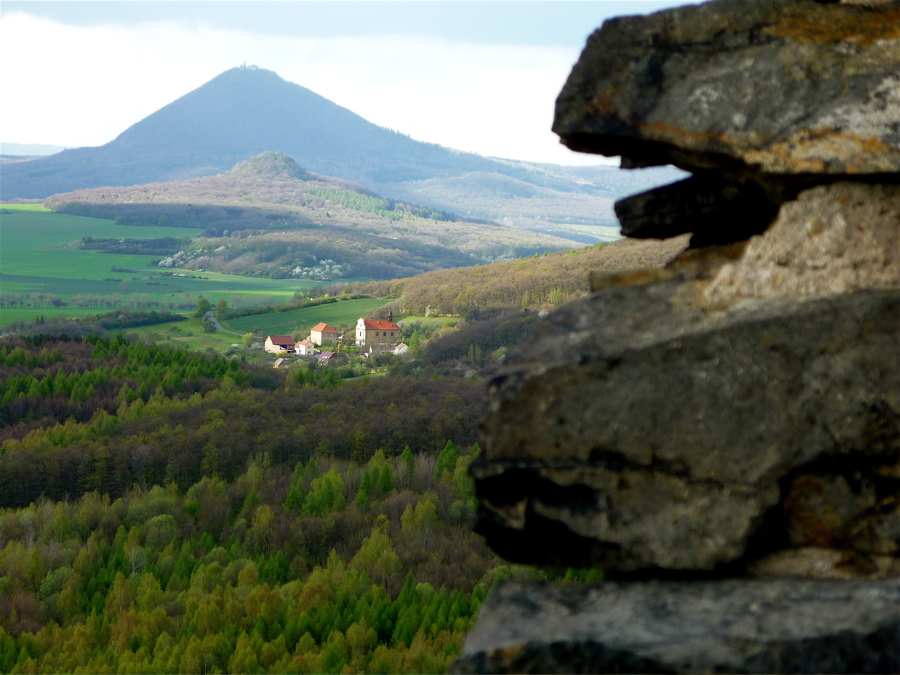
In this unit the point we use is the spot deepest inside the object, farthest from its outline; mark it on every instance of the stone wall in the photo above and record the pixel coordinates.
(721, 437)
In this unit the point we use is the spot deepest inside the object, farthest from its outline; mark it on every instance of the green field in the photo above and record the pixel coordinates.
(39, 257)
(34, 243)
(282, 323)
(187, 334)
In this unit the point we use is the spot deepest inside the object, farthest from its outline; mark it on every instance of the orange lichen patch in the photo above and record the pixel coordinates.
(601, 280)
(604, 103)
(836, 23)
(826, 150)
(677, 135)
(692, 264)
(813, 517)
(824, 563)
(506, 655)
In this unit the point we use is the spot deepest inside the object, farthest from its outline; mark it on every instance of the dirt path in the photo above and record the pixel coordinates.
(215, 322)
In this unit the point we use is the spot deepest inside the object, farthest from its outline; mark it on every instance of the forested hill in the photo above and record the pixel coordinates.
(168, 512)
(535, 283)
(303, 222)
(246, 111)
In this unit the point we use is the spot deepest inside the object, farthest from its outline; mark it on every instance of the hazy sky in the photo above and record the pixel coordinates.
(473, 75)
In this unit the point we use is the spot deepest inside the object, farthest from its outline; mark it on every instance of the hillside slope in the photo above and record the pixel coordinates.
(536, 283)
(245, 111)
(268, 216)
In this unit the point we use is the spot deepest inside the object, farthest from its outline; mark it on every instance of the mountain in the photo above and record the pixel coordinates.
(246, 111)
(268, 216)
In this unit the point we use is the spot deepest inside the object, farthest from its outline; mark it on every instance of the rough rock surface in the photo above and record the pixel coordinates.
(696, 205)
(642, 434)
(736, 626)
(728, 425)
(781, 87)
(760, 99)
(833, 239)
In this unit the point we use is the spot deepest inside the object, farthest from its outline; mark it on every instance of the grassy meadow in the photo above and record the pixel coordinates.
(39, 255)
(187, 334)
(190, 334)
(282, 323)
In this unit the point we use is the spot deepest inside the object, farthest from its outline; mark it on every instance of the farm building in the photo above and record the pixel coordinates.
(323, 334)
(279, 343)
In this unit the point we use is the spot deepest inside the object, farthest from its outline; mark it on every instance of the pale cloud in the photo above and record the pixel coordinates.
(84, 85)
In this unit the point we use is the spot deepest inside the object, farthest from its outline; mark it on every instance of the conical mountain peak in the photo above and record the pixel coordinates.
(248, 111)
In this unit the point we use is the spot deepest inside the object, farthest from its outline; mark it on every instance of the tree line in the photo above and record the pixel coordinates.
(102, 414)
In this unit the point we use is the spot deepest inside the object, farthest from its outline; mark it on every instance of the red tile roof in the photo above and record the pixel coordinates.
(380, 324)
(323, 328)
(282, 340)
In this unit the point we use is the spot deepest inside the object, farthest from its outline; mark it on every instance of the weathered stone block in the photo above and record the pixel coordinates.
(641, 434)
(765, 87)
(832, 239)
(715, 211)
(731, 626)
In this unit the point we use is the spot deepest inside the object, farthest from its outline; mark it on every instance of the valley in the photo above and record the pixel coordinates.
(269, 217)
(175, 499)
(44, 267)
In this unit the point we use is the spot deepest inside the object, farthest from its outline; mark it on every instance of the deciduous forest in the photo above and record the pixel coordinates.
(164, 511)
(538, 282)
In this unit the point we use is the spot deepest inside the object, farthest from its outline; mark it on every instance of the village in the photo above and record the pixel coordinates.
(372, 336)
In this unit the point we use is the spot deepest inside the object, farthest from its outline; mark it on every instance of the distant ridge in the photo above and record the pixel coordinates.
(246, 111)
(268, 216)
(233, 117)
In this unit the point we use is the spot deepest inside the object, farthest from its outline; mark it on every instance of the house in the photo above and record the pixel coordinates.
(323, 334)
(396, 350)
(371, 332)
(279, 343)
(279, 363)
(305, 347)
(325, 357)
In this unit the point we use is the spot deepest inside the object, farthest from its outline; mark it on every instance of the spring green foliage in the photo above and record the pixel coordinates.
(334, 314)
(221, 310)
(163, 511)
(219, 578)
(114, 414)
(539, 282)
(203, 306)
(266, 560)
(446, 461)
(46, 270)
(387, 208)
